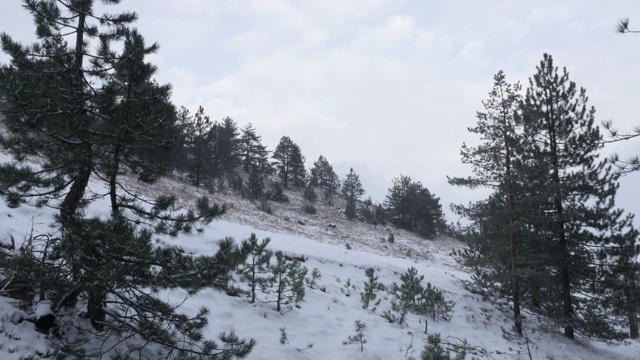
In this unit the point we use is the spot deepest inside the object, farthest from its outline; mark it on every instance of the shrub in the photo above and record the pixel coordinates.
(371, 288)
(310, 194)
(309, 209)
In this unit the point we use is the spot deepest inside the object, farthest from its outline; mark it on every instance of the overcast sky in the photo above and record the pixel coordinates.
(387, 87)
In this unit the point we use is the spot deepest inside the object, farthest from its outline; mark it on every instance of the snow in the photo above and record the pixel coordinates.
(326, 317)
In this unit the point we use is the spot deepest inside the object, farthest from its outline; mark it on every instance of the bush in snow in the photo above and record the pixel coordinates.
(371, 288)
(286, 281)
(258, 258)
(358, 338)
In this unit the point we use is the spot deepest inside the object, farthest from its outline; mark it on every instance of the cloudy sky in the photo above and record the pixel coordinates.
(387, 87)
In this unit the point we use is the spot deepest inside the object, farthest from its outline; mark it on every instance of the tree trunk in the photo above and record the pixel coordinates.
(71, 202)
(95, 307)
(632, 316)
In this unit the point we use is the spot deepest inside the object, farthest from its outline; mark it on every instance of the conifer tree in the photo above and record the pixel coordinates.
(572, 190)
(622, 273)
(289, 163)
(253, 154)
(411, 206)
(286, 281)
(200, 140)
(493, 165)
(322, 174)
(406, 294)
(351, 190)
(226, 154)
(258, 263)
(351, 186)
(87, 113)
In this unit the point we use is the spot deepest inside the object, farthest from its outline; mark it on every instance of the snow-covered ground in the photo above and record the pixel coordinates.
(341, 250)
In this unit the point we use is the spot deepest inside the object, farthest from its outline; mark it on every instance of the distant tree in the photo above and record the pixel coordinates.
(200, 141)
(351, 190)
(411, 206)
(323, 176)
(310, 194)
(351, 186)
(226, 156)
(289, 163)
(255, 185)
(350, 209)
(254, 155)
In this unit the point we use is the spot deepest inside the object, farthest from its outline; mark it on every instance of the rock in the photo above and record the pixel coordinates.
(333, 226)
(301, 222)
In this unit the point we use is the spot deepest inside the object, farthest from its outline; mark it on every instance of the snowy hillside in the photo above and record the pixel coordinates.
(341, 250)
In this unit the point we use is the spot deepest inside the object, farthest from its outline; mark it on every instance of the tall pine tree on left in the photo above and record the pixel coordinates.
(83, 110)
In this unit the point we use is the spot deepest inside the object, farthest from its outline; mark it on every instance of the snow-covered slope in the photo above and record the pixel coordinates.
(326, 317)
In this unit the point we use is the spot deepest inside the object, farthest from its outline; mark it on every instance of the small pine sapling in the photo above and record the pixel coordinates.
(312, 281)
(433, 350)
(405, 294)
(431, 302)
(286, 281)
(258, 258)
(358, 338)
(391, 239)
(348, 288)
(284, 340)
(371, 288)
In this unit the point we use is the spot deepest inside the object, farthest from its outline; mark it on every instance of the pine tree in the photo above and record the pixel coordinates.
(433, 350)
(371, 287)
(309, 194)
(101, 118)
(254, 155)
(573, 192)
(226, 155)
(411, 206)
(621, 273)
(351, 190)
(286, 281)
(289, 163)
(322, 174)
(406, 294)
(258, 263)
(200, 141)
(351, 186)
(493, 167)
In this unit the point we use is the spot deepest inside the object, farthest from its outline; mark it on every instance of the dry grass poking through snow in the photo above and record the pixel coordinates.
(328, 225)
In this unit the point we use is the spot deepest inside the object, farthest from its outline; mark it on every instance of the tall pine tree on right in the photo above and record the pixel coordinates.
(574, 194)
